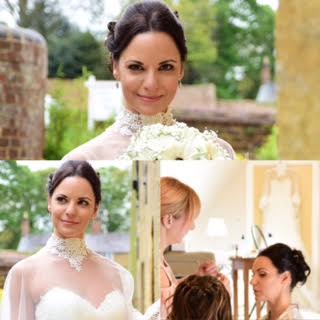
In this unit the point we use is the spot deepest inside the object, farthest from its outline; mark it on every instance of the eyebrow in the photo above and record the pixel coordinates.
(65, 196)
(261, 269)
(85, 198)
(162, 62)
(166, 61)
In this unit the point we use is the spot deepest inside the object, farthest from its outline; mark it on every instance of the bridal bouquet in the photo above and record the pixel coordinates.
(175, 142)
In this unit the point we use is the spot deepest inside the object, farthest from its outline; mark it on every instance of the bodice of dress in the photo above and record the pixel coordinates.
(65, 280)
(60, 303)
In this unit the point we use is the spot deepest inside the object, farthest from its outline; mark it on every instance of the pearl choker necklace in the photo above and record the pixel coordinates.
(74, 250)
(129, 123)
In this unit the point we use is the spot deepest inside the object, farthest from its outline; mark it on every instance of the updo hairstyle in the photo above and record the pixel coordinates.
(73, 168)
(201, 298)
(144, 17)
(286, 259)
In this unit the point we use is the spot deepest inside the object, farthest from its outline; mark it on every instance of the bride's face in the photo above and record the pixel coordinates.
(268, 284)
(72, 206)
(149, 70)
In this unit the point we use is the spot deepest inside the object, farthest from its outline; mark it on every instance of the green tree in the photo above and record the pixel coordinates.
(244, 35)
(198, 18)
(45, 15)
(69, 48)
(68, 55)
(22, 192)
(116, 198)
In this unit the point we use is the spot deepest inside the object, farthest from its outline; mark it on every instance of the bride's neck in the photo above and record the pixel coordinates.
(278, 306)
(128, 123)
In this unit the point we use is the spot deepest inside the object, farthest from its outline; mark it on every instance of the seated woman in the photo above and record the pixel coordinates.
(276, 271)
(147, 51)
(201, 298)
(65, 279)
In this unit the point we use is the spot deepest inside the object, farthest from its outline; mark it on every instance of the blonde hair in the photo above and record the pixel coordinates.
(178, 199)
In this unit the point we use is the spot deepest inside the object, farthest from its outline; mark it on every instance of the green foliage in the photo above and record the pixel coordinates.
(244, 35)
(69, 48)
(25, 194)
(227, 40)
(269, 151)
(68, 126)
(116, 198)
(198, 19)
(76, 49)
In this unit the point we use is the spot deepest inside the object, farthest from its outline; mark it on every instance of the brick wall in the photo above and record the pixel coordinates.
(244, 124)
(23, 74)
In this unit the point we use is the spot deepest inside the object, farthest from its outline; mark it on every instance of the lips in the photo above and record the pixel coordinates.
(149, 98)
(256, 292)
(69, 222)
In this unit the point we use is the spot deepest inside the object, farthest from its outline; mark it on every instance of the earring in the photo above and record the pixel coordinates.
(117, 84)
(179, 83)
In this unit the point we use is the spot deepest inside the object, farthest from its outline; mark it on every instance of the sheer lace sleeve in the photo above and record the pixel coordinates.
(128, 289)
(17, 303)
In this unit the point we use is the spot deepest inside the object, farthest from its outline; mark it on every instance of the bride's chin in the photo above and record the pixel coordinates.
(148, 110)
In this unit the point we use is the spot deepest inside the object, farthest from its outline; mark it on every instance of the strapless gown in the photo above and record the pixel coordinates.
(58, 304)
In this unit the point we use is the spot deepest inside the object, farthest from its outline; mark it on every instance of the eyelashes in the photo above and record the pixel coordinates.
(164, 67)
(61, 199)
(135, 67)
(64, 200)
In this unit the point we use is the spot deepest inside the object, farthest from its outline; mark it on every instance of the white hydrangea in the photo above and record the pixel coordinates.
(178, 141)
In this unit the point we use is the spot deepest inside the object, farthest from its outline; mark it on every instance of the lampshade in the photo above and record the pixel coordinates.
(217, 228)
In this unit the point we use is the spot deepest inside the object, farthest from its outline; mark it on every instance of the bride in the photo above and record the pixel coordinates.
(147, 51)
(65, 279)
(277, 270)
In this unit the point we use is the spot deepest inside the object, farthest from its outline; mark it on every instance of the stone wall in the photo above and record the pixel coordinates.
(298, 78)
(23, 73)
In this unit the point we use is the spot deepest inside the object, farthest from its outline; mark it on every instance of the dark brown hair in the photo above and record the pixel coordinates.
(73, 168)
(286, 259)
(143, 17)
(200, 298)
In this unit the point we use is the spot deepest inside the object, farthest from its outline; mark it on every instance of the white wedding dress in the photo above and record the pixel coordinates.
(67, 281)
(280, 206)
(115, 140)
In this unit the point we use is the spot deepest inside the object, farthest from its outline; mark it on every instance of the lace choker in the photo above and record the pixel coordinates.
(74, 250)
(129, 123)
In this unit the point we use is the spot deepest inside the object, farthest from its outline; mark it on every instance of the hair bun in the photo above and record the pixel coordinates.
(111, 26)
(301, 267)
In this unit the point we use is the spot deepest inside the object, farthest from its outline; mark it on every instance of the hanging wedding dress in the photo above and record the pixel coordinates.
(280, 206)
(114, 141)
(67, 281)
